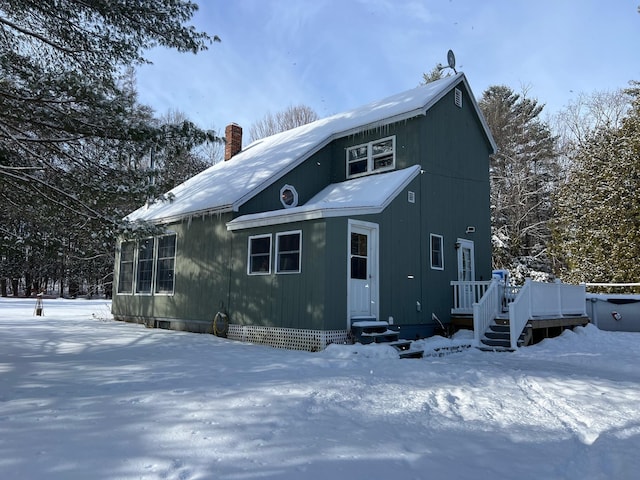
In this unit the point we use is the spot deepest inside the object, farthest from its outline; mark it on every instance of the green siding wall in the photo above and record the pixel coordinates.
(211, 275)
(451, 193)
(308, 179)
(291, 300)
(201, 280)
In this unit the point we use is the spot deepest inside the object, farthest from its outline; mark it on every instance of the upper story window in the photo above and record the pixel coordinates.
(288, 196)
(376, 156)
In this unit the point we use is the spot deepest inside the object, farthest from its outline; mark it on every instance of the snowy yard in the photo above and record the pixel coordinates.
(85, 397)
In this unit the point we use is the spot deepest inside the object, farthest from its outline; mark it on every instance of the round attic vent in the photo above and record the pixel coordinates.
(289, 196)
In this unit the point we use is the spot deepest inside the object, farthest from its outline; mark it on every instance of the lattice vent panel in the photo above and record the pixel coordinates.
(289, 338)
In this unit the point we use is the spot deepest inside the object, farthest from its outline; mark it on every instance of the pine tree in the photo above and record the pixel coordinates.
(597, 225)
(74, 141)
(523, 174)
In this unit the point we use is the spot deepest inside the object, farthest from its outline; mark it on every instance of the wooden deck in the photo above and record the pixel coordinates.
(542, 327)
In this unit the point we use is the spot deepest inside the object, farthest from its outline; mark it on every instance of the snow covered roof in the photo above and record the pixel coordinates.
(360, 196)
(227, 185)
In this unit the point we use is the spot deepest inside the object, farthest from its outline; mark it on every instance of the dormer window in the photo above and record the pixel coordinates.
(376, 156)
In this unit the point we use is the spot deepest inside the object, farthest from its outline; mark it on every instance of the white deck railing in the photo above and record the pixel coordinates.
(465, 294)
(486, 309)
(558, 299)
(533, 299)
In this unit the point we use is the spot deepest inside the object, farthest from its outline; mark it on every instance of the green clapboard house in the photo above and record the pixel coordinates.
(367, 214)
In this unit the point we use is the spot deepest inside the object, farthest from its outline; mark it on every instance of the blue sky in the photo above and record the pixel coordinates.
(334, 55)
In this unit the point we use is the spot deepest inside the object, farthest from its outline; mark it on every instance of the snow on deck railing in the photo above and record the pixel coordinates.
(465, 294)
(486, 309)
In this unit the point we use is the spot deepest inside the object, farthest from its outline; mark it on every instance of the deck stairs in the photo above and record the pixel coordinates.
(497, 336)
(374, 331)
(496, 310)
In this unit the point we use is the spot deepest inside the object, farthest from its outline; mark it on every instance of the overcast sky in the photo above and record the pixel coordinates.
(334, 55)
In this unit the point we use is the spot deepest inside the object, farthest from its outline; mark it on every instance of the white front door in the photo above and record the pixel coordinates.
(466, 272)
(362, 270)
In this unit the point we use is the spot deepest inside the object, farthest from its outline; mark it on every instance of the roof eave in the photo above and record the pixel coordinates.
(184, 216)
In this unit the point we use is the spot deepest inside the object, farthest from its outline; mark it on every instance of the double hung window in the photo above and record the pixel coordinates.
(288, 248)
(259, 255)
(165, 264)
(379, 155)
(437, 255)
(125, 272)
(144, 276)
(148, 265)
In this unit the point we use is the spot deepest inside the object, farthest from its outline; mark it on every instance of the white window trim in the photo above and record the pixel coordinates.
(252, 237)
(153, 268)
(155, 264)
(370, 157)
(133, 268)
(431, 237)
(294, 192)
(277, 253)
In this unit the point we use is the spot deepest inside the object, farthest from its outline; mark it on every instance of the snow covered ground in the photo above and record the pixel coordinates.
(85, 397)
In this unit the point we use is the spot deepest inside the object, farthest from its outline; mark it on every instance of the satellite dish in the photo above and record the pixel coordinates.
(451, 60)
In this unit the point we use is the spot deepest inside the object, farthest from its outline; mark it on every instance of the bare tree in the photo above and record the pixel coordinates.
(583, 117)
(589, 113)
(294, 116)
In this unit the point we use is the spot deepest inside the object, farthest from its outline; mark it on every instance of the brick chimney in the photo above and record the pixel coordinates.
(232, 140)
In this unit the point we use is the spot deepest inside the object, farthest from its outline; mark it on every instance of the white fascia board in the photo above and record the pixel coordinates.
(265, 221)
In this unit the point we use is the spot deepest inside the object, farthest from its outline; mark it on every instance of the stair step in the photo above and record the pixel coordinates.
(368, 331)
(499, 328)
(496, 342)
(411, 354)
(386, 336)
(401, 344)
(498, 335)
(487, 348)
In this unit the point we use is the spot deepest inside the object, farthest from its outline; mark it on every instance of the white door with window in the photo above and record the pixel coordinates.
(362, 270)
(466, 272)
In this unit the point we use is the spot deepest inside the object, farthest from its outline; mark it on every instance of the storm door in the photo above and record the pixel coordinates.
(363, 270)
(466, 272)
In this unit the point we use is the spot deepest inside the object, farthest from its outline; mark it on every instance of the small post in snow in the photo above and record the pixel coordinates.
(39, 310)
